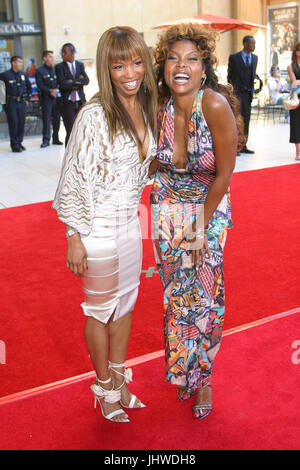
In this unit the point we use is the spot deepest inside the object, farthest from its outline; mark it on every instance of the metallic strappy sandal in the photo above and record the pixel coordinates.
(127, 379)
(109, 396)
(202, 410)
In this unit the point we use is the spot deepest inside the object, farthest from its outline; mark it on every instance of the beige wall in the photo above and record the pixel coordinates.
(253, 11)
(224, 44)
(88, 19)
(221, 8)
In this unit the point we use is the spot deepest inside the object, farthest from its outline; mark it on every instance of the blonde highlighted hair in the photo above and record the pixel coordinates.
(124, 43)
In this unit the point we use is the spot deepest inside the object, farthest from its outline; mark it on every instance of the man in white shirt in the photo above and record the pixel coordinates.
(278, 86)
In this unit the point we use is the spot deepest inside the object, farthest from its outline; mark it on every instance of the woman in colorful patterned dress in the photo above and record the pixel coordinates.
(199, 129)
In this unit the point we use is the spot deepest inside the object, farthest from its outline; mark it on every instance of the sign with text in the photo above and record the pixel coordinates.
(10, 29)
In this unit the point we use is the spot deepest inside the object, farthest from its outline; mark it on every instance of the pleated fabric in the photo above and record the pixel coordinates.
(110, 284)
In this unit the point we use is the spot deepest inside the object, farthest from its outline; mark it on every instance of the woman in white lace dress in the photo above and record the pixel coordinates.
(105, 169)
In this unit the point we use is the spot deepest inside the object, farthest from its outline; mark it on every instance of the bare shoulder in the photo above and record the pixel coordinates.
(214, 105)
(213, 99)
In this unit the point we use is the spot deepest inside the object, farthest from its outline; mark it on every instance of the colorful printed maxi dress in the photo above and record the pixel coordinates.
(193, 301)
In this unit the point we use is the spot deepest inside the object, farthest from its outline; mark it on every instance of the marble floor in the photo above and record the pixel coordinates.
(32, 176)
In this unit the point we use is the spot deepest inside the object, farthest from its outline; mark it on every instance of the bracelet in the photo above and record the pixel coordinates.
(70, 232)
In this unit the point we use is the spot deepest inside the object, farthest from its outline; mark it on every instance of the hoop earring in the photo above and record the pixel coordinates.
(203, 80)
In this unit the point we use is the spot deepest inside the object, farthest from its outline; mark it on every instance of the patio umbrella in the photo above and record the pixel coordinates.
(220, 23)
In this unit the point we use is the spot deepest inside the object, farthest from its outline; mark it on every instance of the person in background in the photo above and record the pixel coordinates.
(47, 83)
(294, 74)
(278, 88)
(241, 74)
(18, 91)
(71, 78)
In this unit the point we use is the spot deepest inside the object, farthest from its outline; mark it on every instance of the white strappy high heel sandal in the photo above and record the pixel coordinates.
(109, 396)
(127, 379)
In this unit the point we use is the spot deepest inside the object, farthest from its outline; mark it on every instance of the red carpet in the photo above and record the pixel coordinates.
(41, 318)
(255, 404)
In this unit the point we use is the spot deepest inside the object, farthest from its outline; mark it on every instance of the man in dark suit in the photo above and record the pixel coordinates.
(46, 81)
(71, 78)
(241, 75)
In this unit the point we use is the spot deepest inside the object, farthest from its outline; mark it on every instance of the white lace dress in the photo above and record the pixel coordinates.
(98, 194)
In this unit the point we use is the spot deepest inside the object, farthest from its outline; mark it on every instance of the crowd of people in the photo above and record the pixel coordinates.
(242, 74)
(61, 95)
(171, 120)
(61, 92)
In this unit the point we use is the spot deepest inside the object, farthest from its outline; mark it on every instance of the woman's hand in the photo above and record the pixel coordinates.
(199, 255)
(158, 250)
(153, 167)
(76, 259)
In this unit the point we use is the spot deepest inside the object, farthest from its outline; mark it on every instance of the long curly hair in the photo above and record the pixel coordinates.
(205, 41)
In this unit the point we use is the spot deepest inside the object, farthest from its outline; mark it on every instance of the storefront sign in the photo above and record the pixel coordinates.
(9, 29)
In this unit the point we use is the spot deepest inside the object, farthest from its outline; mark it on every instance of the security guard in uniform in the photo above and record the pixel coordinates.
(47, 83)
(18, 91)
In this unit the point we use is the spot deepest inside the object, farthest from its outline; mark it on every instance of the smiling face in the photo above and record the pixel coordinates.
(127, 75)
(184, 68)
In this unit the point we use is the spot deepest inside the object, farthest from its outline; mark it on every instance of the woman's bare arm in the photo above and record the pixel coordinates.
(222, 125)
(153, 167)
(293, 80)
